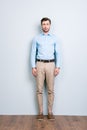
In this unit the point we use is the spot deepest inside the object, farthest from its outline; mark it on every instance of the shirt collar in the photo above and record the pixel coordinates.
(48, 34)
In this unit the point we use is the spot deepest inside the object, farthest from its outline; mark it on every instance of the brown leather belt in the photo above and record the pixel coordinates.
(46, 61)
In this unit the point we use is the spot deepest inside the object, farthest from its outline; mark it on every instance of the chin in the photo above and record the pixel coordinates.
(46, 30)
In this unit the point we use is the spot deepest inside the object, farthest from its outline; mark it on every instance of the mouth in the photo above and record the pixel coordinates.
(45, 28)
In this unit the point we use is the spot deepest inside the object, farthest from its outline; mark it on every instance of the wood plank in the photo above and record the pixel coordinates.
(29, 122)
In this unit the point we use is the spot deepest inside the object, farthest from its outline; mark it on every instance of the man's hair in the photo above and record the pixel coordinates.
(45, 19)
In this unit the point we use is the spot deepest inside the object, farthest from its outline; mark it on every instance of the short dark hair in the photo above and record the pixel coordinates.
(45, 19)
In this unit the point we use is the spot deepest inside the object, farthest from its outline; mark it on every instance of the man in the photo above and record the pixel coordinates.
(45, 60)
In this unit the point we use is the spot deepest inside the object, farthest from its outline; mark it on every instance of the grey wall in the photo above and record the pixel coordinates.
(19, 23)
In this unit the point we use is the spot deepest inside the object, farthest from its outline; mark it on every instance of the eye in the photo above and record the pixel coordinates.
(44, 24)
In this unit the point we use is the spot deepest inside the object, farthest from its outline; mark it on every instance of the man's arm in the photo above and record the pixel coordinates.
(33, 57)
(57, 58)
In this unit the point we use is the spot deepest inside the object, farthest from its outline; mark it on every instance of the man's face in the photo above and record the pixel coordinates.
(46, 26)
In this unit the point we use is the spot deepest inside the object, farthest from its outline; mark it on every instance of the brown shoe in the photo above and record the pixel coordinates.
(40, 117)
(51, 116)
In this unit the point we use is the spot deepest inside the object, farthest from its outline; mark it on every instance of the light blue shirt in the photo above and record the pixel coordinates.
(45, 47)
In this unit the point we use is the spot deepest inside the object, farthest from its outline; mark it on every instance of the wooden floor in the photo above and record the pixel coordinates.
(31, 123)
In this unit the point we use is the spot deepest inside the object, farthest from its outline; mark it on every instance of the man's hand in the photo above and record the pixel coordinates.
(56, 71)
(34, 71)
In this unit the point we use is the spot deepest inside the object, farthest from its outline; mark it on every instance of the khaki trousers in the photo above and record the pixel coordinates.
(45, 71)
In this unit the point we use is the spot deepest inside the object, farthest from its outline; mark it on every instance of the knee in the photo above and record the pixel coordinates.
(50, 92)
(39, 91)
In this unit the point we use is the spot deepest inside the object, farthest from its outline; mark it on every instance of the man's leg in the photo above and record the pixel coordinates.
(50, 84)
(40, 83)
